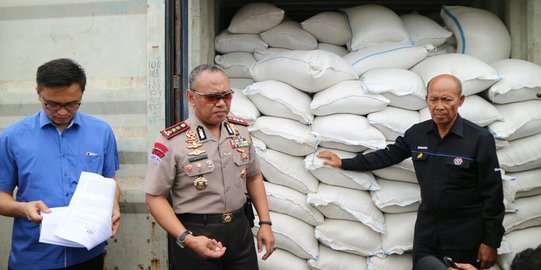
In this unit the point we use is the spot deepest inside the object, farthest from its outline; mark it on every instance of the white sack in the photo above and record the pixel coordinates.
(293, 235)
(520, 119)
(396, 197)
(236, 64)
(474, 74)
(281, 259)
(238, 84)
(349, 236)
(286, 170)
(521, 80)
(262, 53)
(406, 90)
(284, 135)
(347, 97)
(347, 132)
(394, 262)
(328, 27)
(338, 177)
(226, 42)
(399, 236)
(479, 32)
(348, 204)
(402, 171)
(285, 200)
(289, 35)
(374, 24)
(521, 155)
(423, 30)
(523, 184)
(338, 50)
(330, 259)
(254, 18)
(310, 71)
(274, 98)
(475, 109)
(386, 55)
(528, 214)
(393, 122)
(243, 108)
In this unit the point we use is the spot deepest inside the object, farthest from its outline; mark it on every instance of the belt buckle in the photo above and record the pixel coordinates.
(227, 218)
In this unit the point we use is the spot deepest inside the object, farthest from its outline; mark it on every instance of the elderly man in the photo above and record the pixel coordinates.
(207, 163)
(455, 161)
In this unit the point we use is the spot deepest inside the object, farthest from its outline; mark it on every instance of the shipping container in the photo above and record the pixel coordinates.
(137, 55)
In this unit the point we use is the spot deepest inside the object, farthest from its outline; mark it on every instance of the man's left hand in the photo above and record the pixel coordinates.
(486, 256)
(115, 219)
(266, 237)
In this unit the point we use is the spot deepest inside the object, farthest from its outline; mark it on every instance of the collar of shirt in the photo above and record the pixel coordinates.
(44, 120)
(194, 123)
(458, 127)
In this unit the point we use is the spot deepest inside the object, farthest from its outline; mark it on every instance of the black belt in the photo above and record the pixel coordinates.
(224, 218)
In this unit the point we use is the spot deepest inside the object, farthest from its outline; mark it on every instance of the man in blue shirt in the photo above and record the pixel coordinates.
(43, 156)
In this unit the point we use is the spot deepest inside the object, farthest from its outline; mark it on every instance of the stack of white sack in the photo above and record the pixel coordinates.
(339, 82)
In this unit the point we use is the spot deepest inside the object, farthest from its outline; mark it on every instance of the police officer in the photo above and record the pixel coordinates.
(207, 164)
(455, 161)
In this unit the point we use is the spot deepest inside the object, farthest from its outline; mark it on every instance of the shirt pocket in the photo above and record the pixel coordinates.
(460, 170)
(199, 167)
(241, 160)
(92, 162)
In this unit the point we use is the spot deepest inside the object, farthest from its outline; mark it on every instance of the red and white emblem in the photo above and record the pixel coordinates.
(458, 161)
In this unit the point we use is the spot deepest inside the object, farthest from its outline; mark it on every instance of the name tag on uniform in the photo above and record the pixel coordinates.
(196, 158)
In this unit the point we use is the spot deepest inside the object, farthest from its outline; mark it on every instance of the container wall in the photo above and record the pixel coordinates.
(522, 20)
(121, 46)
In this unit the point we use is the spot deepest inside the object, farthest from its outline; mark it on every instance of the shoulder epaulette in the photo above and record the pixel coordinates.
(236, 120)
(174, 130)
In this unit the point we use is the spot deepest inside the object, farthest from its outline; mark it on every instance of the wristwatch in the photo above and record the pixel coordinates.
(182, 238)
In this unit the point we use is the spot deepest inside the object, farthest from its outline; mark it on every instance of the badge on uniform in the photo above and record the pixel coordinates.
(458, 161)
(200, 183)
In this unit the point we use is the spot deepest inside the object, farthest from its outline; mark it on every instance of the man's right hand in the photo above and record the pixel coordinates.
(332, 158)
(31, 211)
(205, 247)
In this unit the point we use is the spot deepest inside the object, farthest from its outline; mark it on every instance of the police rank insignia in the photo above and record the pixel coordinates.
(174, 130)
(200, 183)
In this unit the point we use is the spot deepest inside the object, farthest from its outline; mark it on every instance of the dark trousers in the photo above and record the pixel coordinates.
(93, 264)
(427, 241)
(236, 236)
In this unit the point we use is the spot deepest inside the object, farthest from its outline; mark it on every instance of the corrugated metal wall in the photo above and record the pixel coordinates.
(120, 44)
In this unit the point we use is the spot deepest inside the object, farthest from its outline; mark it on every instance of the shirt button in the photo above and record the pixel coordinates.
(67, 194)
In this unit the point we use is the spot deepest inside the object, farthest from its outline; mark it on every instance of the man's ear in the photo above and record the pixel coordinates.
(190, 97)
(461, 100)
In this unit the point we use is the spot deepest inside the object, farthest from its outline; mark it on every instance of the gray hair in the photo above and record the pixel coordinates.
(194, 75)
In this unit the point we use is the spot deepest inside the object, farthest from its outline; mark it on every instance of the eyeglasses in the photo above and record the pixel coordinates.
(215, 97)
(55, 106)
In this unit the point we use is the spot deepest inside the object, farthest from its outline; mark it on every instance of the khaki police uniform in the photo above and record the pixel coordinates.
(206, 178)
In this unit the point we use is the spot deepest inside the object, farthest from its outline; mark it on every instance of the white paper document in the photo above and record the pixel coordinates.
(86, 222)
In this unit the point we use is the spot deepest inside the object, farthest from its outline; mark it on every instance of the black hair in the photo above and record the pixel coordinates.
(194, 75)
(61, 72)
(528, 259)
